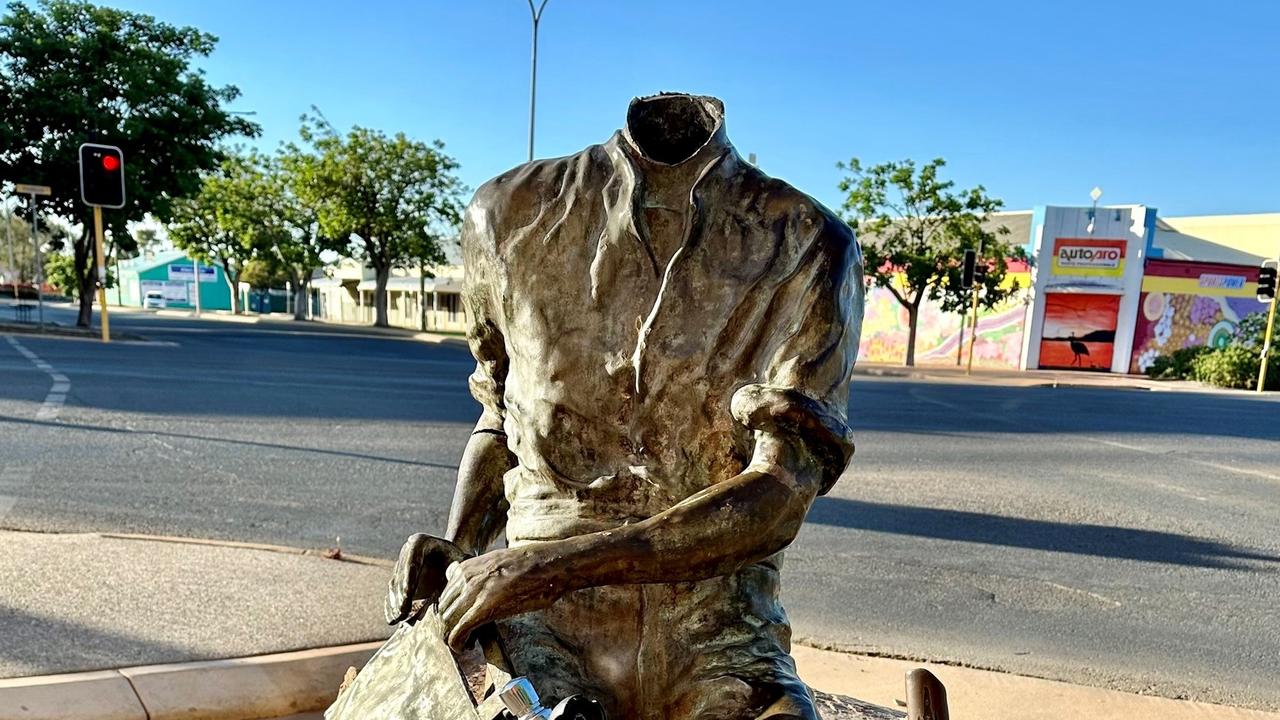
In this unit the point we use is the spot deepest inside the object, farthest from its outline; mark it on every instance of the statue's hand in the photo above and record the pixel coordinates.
(496, 585)
(419, 576)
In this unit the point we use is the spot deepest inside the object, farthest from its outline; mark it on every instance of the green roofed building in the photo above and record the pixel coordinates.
(171, 273)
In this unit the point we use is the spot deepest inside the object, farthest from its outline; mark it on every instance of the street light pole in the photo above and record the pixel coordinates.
(35, 244)
(536, 14)
(13, 265)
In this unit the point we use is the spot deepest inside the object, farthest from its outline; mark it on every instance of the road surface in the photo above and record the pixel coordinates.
(1118, 538)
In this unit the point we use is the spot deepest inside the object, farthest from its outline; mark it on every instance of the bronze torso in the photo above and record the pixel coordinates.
(635, 314)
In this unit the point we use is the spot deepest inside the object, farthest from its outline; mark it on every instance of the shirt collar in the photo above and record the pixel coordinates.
(716, 144)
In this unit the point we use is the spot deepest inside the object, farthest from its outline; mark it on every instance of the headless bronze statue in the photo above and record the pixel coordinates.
(663, 338)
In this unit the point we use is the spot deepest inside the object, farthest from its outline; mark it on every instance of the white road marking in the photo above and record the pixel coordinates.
(1113, 443)
(1183, 458)
(1089, 593)
(57, 396)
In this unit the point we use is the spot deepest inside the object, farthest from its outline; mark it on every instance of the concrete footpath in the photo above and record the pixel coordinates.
(115, 627)
(1043, 378)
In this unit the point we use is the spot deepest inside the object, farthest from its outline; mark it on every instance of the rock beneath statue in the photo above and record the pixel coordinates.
(842, 707)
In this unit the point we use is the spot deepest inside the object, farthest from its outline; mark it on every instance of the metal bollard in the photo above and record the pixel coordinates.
(926, 697)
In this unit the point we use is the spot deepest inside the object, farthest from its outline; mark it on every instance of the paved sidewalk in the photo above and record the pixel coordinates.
(985, 695)
(71, 603)
(88, 622)
(1042, 378)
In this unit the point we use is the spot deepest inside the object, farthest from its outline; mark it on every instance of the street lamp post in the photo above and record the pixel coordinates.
(536, 14)
(13, 265)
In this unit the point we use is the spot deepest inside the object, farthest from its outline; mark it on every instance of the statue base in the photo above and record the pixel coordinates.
(842, 707)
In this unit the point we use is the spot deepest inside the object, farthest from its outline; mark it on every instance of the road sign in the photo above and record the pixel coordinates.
(101, 175)
(184, 273)
(24, 189)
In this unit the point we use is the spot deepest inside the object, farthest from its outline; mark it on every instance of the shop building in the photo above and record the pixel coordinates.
(1108, 289)
(172, 274)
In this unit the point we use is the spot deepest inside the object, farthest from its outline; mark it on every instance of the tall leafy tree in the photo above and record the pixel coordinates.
(231, 219)
(73, 72)
(394, 198)
(914, 228)
(300, 252)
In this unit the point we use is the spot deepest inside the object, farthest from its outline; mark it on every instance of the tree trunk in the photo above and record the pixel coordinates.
(422, 295)
(233, 281)
(380, 297)
(87, 272)
(300, 300)
(913, 315)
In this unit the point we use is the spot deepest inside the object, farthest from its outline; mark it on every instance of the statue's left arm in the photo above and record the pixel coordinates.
(797, 415)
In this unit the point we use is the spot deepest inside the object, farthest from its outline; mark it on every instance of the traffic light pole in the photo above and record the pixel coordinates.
(1266, 342)
(973, 329)
(102, 273)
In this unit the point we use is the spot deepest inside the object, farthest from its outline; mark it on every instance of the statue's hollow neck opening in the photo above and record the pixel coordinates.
(671, 128)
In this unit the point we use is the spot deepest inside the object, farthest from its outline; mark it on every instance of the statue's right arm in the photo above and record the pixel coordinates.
(479, 511)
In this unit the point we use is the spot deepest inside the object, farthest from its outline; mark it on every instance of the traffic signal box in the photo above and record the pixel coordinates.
(1266, 283)
(969, 269)
(101, 175)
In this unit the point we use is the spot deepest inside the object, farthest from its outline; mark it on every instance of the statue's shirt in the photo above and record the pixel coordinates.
(614, 318)
(634, 324)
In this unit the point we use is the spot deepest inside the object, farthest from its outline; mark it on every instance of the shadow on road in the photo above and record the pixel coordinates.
(230, 441)
(1079, 539)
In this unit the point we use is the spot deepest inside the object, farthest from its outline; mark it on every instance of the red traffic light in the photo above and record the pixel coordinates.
(102, 175)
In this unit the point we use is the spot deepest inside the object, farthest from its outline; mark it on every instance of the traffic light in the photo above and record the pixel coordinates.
(101, 175)
(980, 275)
(969, 268)
(1266, 283)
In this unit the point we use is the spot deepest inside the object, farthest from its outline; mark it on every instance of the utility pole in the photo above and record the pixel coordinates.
(33, 191)
(13, 264)
(35, 243)
(536, 14)
(195, 270)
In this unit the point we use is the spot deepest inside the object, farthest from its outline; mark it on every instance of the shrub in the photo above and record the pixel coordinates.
(1233, 366)
(1178, 365)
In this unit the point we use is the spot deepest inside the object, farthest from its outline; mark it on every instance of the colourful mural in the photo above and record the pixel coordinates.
(1186, 304)
(1079, 331)
(999, 345)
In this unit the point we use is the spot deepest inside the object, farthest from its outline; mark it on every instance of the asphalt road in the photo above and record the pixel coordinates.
(1118, 538)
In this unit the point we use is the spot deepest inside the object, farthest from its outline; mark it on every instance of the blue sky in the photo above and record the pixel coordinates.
(1173, 104)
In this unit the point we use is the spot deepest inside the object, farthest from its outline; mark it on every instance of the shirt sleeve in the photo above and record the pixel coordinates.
(484, 334)
(804, 391)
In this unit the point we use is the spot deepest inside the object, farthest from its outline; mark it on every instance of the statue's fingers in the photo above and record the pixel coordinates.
(453, 586)
(452, 600)
(460, 631)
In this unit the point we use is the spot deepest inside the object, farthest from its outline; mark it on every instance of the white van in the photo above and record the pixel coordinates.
(153, 300)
